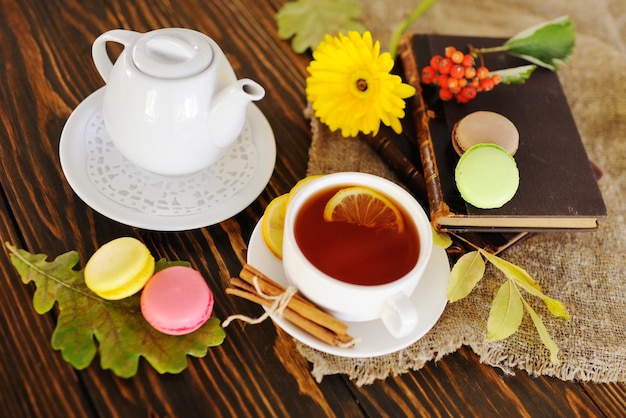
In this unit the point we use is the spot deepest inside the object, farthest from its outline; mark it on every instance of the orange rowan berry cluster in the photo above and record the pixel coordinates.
(457, 76)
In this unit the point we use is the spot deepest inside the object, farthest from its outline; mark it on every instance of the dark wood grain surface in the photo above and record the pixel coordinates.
(45, 72)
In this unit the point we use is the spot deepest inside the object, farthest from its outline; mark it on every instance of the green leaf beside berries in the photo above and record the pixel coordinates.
(88, 325)
(515, 75)
(548, 45)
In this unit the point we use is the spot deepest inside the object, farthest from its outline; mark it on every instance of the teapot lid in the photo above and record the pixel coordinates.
(172, 53)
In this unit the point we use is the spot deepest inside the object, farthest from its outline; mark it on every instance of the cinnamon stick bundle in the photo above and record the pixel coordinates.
(299, 310)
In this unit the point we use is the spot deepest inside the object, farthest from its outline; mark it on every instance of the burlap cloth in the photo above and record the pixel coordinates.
(586, 271)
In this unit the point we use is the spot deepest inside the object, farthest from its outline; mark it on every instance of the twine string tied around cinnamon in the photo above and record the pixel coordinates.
(278, 306)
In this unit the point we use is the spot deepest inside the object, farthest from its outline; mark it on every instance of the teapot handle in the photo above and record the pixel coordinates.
(99, 53)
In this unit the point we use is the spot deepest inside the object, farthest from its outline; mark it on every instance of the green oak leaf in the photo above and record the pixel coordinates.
(88, 324)
(506, 312)
(308, 21)
(162, 264)
(466, 272)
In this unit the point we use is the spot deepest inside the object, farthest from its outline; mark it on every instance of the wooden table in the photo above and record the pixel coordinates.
(46, 71)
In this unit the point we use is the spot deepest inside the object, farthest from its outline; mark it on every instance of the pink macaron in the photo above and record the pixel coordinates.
(177, 300)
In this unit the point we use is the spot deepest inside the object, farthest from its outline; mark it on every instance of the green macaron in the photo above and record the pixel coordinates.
(487, 176)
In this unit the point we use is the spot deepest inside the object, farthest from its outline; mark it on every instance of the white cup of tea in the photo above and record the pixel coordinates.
(354, 272)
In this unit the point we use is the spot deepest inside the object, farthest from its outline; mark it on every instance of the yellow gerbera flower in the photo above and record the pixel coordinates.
(350, 87)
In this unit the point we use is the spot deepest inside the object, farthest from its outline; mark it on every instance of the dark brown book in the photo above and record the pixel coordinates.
(557, 191)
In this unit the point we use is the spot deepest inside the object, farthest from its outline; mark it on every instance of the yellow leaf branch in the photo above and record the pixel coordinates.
(507, 308)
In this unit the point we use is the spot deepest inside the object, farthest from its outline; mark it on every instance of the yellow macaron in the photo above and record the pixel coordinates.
(120, 268)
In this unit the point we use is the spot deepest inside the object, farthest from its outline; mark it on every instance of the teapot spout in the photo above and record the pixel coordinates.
(228, 112)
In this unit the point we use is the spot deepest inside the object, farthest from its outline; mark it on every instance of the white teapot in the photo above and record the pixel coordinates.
(172, 103)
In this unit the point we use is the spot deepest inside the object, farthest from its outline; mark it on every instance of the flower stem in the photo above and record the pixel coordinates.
(417, 12)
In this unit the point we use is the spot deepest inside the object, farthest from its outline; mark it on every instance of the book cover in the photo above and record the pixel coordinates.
(557, 189)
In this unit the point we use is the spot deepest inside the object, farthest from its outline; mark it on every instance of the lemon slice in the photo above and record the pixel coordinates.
(296, 188)
(363, 206)
(273, 224)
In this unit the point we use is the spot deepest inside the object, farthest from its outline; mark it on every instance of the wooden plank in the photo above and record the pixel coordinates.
(610, 398)
(459, 385)
(34, 379)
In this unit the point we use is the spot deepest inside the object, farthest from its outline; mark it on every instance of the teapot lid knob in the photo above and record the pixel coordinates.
(172, 53)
